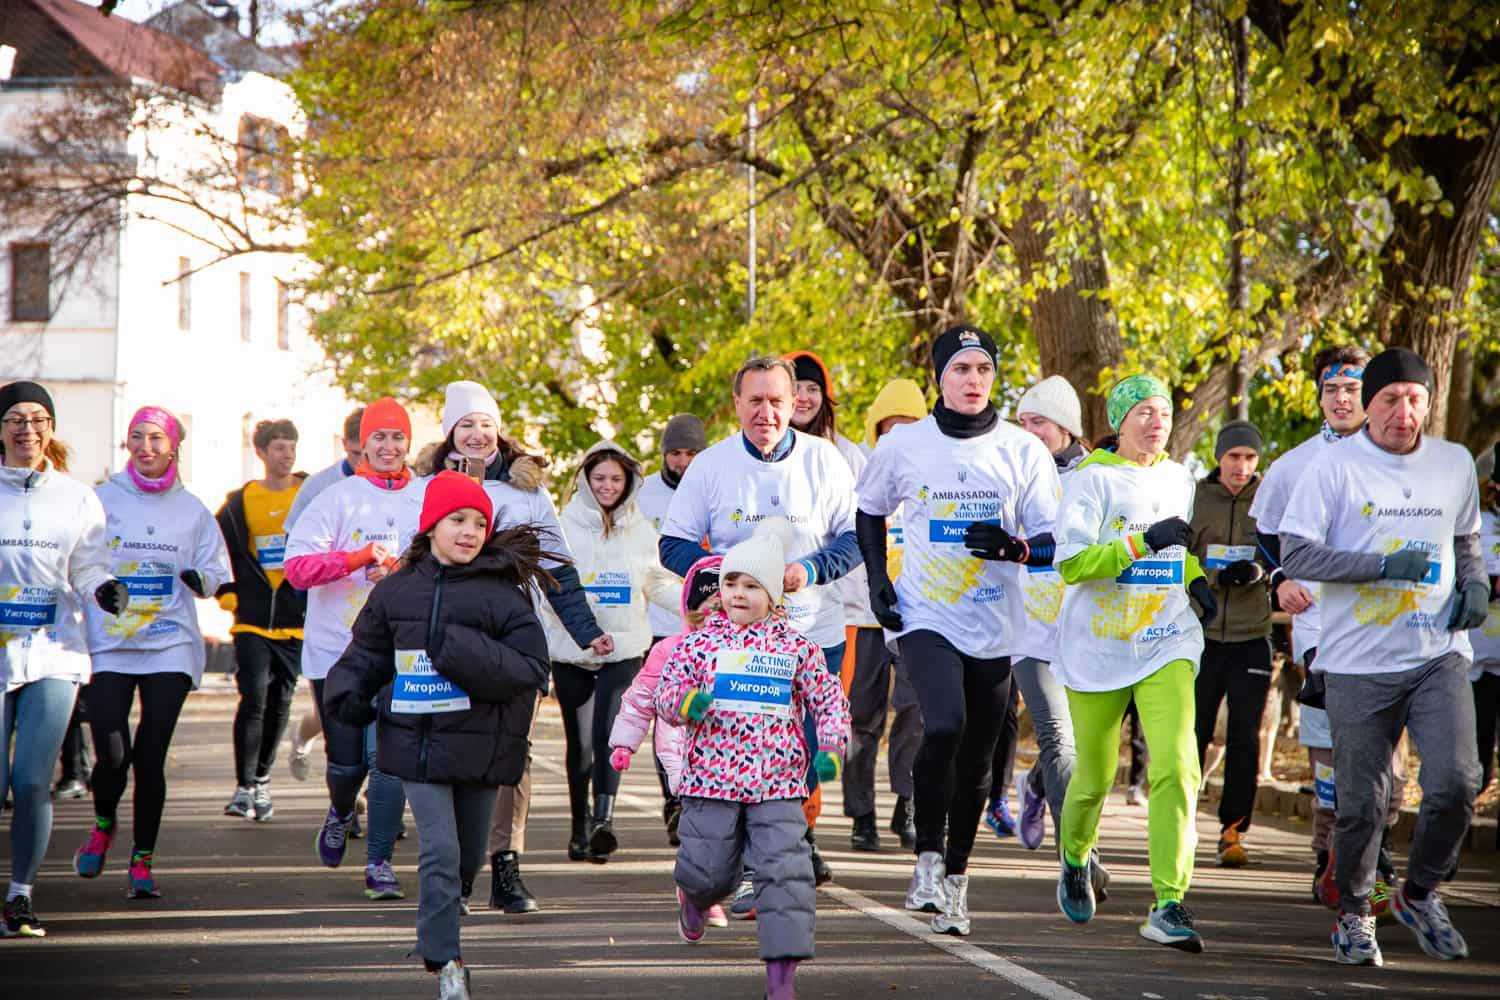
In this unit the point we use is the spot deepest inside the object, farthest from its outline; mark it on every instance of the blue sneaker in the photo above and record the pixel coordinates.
(1354, 941)
(333, 838)
(1428, 920)
(381, 882)
(998, 818)
(1075, 892)
(1172, 925)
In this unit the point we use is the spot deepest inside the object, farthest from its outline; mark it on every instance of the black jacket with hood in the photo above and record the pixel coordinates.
(256, 603)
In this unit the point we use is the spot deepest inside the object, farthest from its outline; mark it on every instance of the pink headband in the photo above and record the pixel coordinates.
(161, 418)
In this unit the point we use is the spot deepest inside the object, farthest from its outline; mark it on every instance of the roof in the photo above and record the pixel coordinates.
(189, 21)
(129, 50)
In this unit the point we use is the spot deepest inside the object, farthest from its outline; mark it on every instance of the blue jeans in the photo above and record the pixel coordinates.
(37, 715)
(834, 655)
(351, 757)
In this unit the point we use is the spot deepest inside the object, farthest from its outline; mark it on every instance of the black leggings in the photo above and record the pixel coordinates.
(1004, 766)
(1486, 713)
(109, 697)
(266, 674)
(590, 701)
(1240, 672)
(963, 699)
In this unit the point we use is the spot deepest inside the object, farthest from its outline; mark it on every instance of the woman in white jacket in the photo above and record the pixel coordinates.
(53, 563)
(614, 550)
(167, 549)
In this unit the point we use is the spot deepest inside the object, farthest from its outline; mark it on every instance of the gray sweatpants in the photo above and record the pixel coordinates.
(1047, 702)
(769, 837)
(878, 683)
(452, 823)
(1434, 705)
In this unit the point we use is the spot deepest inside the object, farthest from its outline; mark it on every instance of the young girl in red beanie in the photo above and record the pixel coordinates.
(452, 645)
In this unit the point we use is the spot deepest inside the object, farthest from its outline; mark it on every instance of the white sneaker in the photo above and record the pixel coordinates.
(955, 919)
(242, 804)
(1133, 796)
(927, 893)
(1429, 921)
(453, 981)
(298, 761)
(1354, 941)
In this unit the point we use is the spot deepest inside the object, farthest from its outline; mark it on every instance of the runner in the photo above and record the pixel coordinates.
(1237, 644)
(1485, 677)
(345, 542)
(54, 562)
(681, 440)
(1127, 630)
(770, 469)
(878, 681)
(451, 648)
(614, 551)
(167, 550)
(1389, 523)
(268, 615)
(966, 482)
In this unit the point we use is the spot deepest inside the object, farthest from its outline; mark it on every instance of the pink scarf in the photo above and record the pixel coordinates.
(168, 423)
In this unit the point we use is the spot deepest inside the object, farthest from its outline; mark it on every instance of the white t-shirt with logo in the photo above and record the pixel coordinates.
(1115, 633)
(1486, 638)
(343, 518)
(1362, 498)
(727, 491)
(942, 485)
(653, 499)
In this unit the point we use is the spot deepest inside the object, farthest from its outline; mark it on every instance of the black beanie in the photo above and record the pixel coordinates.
(808, 370)
(1395, 364)
(958, 339)
(683, 431)
(1237, 434)
(703, 585)
(26, 392)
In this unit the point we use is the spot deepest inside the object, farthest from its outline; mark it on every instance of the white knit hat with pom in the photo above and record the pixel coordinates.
(762, 556)
(463, 398)
(1054, 398)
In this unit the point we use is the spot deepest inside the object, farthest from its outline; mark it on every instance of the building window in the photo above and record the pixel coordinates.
(261, 163)
(283, 317)
(184, 293)
(246, 316)
(30, 282)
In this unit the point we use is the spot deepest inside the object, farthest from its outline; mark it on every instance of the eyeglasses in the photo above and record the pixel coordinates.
(20, 423)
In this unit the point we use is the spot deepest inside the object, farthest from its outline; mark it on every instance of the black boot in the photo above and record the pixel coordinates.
(1318, 877)
(864, 836)
(602, 839)
(507, 891)
(904, 822)
(578, 840)
(671, 814)
(821, 872)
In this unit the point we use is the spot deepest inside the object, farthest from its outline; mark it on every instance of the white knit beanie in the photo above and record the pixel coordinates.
(464, 398)
(762, 556)
(1053, 397)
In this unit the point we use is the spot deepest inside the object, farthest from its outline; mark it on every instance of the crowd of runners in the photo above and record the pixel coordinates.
(759, 609)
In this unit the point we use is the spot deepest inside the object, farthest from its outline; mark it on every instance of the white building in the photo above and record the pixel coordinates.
(223, 347)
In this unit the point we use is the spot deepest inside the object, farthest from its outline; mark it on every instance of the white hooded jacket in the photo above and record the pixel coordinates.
(620, 573)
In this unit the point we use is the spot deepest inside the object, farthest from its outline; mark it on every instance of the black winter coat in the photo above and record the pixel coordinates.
(256, 602)
(478, 627)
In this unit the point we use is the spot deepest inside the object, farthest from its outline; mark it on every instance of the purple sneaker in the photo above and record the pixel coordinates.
(381, 882)
(1033, 817)
(691, 921)
(333, 838)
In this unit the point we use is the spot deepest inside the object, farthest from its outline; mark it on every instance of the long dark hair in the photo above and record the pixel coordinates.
(520, 548)
(509, 451)
(824, 422)
(632, 476)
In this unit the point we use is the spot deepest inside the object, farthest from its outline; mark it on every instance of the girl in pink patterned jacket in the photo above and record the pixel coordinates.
(740, 686)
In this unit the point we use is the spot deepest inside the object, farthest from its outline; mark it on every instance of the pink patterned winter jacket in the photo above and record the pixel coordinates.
(744, 756)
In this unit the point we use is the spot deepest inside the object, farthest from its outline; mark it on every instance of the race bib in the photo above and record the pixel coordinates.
(609, 589)
(1220, 556)
(152, 585)
(1153, 573)
(1323, 787)
(270, 551)
(748, 681)
(420, 690)
(26, 608)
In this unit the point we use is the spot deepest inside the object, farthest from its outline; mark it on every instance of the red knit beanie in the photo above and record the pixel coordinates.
(384, 414)
(450, 491)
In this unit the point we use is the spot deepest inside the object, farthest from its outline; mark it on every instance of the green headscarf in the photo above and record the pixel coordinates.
(1128, 392)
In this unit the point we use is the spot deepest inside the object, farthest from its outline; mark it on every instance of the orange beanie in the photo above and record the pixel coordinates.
(384, 414)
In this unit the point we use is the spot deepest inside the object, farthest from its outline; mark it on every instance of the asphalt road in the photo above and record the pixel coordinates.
(247, 911)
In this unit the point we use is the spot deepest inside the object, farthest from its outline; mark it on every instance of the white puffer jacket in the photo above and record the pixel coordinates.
(619, 573)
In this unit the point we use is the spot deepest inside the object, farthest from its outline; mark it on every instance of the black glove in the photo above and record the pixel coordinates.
(353, 711)
(1241, 573)
(1200, 591)
(194, 582)
(1314, 688)
(1165, 534)
(1471, 606)
(1407, 564)
(111, 596)
(883, 602)
(992, 542)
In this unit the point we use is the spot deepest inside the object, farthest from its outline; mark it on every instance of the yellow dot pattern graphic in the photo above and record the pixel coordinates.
(946, 581)
(1043, 596)
(1380, 606)
(1122, 612)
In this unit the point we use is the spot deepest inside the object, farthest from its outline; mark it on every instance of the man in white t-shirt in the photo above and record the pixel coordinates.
(1388, 523)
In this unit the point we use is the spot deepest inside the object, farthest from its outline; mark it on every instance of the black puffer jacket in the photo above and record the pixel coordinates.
(477, 627)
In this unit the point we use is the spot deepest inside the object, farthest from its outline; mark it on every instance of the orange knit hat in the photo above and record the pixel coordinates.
(384, 414)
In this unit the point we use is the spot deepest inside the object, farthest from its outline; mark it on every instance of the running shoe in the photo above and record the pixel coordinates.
(1380, 903)
(998, 818)
(242, 805)
(142, 882)
(72, 788)
(1385, 867)
(742, 906)
(299, 761)
(1428, 920)
(903, 822)
(1075, 892)
(715, 916)
(333, 838)
(381, 882)
(1033, 816)
(1326, 888)
(927, 892)
(88, 860)
(1172, 925)
(465, 893)
(1354, 941)
(691, 923)
(264, 807)
(1231, 850)
(955, 916)
(1098, 878)
(453, 981)
(822, 874)
(21, 920)
(1134, 796)
(864, 836)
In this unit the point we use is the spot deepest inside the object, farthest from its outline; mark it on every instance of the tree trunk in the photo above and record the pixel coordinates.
(1077, 333)
(1460, 396)
(1238, 407)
